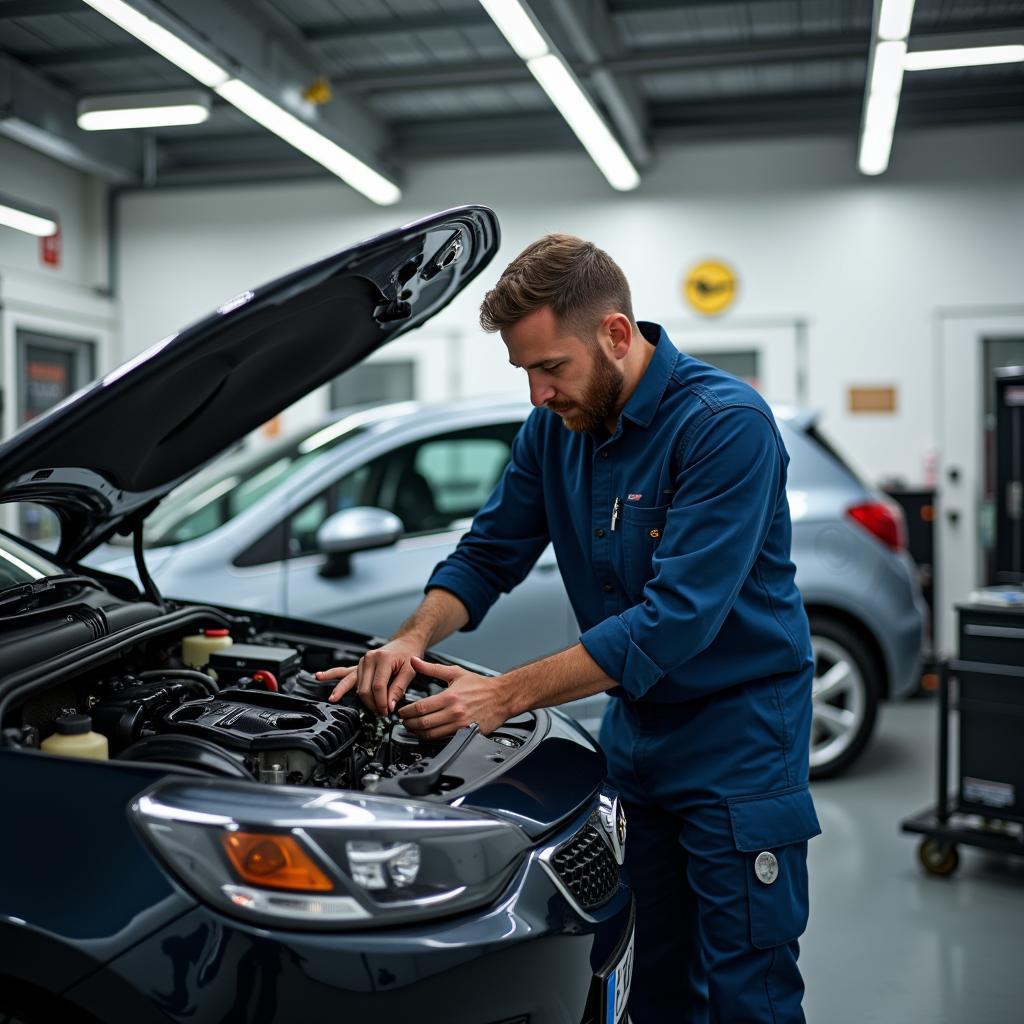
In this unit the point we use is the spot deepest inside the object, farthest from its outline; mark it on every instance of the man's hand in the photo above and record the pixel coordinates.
(381, 677)
(469, 698)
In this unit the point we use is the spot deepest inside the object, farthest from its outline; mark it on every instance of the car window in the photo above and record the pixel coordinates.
(430, 485)
(231, 485)
(302, 526)
(433, 483)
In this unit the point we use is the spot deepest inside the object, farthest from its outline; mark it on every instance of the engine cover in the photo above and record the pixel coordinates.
(284, 734)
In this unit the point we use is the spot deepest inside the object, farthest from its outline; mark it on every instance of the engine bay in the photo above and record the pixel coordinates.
(246, 704)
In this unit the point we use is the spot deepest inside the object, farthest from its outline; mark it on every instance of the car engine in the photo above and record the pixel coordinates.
(253, 711)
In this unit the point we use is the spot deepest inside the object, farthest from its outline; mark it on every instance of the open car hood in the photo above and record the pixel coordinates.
(104, 458)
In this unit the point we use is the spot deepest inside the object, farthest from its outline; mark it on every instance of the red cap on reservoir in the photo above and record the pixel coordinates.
(216, 632)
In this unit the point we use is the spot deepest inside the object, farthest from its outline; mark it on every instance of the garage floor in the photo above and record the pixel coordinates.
(887, 943)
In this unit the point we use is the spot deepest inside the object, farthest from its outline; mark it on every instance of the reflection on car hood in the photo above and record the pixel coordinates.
(105, 457)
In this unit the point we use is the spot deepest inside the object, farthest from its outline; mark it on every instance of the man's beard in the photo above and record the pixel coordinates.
(599, 401)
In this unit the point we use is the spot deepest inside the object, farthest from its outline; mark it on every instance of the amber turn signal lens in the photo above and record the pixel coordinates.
(274, 862)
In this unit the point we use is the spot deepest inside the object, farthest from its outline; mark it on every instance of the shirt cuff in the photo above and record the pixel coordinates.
(466, 586)
(611, 646)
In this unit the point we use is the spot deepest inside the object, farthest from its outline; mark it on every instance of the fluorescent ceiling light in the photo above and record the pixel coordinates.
(166, 43)
(969, 56)
(518, 28)
(143, 110)
(876, 139)
(308, 140)
(34, 220)
(887, 68)
(274, 118)
(574, 105)
(894, 19)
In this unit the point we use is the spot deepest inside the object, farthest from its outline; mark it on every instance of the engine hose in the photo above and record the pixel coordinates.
(208, 685)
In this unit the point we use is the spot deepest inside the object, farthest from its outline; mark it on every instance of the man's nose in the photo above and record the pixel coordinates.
(541, 393)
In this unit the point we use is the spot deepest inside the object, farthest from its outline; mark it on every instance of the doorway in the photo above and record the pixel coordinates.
(971, 346)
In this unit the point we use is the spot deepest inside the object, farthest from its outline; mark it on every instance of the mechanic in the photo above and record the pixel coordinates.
(665, 500)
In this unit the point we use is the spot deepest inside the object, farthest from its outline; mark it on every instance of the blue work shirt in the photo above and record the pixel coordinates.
(692, 589)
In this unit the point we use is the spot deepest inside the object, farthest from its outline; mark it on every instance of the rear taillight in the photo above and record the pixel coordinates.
(881, 520)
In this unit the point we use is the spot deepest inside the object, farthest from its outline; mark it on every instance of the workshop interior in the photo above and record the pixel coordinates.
(259, 409)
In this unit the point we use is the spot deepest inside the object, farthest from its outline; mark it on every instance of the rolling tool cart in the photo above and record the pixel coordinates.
(987, 808)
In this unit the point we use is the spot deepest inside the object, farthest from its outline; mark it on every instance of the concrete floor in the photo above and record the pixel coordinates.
(887, 943)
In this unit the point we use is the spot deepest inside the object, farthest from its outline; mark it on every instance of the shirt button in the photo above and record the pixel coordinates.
(607, 588)
(599, 533)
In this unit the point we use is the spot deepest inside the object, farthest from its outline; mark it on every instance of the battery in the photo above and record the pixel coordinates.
(239, 660)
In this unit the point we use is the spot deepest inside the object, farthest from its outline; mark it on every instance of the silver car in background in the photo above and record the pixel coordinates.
(343, 523)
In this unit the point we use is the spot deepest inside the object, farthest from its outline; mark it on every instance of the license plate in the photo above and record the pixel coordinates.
(616, 987)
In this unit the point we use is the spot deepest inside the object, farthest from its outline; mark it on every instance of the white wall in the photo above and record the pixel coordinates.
(866, 263)
(65, 300)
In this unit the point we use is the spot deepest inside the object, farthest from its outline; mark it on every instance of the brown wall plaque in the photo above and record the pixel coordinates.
(872, 399)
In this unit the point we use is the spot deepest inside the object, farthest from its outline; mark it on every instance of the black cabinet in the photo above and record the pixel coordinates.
(990, 701)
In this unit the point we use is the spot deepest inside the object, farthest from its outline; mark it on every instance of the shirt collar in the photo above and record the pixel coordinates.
(644, 401)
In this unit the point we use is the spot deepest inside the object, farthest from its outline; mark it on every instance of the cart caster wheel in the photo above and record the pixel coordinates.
(937, 857)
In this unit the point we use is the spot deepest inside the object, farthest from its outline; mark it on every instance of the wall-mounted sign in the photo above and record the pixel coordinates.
(710, 287)
(872, 400)
(49, 250)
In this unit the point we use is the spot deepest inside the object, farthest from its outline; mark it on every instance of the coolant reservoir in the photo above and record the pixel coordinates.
(74, 738)
(197, 647)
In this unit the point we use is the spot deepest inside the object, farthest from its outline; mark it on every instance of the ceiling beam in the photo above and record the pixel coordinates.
(39, 114)
(674, 58)
(36, 8)
(589, 33)
(88, 55)
(331, 32)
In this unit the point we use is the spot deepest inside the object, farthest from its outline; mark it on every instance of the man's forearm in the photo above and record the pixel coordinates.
(567, 675)
(439, 615)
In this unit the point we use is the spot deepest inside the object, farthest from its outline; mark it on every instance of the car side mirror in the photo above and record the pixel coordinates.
(355, 529)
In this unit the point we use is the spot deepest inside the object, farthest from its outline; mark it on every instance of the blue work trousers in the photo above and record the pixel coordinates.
(718, 817)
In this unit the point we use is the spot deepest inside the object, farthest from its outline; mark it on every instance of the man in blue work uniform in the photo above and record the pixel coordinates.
(665, 500)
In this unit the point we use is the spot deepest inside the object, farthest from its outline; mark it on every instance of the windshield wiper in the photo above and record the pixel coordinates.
(25, 593)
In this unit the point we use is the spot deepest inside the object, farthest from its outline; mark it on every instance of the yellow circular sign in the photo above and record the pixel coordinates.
(710, 287)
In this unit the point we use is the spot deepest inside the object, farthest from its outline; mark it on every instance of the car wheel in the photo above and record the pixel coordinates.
(845, 697)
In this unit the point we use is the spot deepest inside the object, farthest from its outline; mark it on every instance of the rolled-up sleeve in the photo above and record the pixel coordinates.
(507, 536)
(730, 476)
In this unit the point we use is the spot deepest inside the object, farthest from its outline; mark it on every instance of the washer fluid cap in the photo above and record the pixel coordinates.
(73, 725)
(216, 632)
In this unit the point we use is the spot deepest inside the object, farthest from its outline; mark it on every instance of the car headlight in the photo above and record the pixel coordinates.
(315, 859)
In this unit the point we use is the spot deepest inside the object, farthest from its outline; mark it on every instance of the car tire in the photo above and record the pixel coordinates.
(845, 696)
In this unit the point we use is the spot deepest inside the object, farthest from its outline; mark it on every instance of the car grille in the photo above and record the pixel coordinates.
(586, 867)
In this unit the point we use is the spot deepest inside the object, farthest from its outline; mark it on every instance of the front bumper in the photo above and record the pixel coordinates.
(534, 956)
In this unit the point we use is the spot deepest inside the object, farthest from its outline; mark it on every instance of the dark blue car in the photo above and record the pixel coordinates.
(190, 832)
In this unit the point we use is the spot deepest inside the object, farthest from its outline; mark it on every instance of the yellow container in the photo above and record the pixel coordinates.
(74, 738)
(197, 647)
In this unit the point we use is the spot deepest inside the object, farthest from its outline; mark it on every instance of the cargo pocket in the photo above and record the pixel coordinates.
(771, 830)
(641, 531)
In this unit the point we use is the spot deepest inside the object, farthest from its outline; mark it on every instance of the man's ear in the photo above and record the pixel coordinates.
(619, 332)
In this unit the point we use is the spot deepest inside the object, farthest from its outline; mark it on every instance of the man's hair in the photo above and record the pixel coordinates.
(580, 283)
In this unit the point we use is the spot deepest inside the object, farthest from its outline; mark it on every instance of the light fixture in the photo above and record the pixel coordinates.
(574, 105)
(251, 102)
(963, 57)
(521, 32)
(894, 19)
(166, 43)
(308, 140)
(516, 25)
(143, 110)
(885, 82)
(27, 217)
